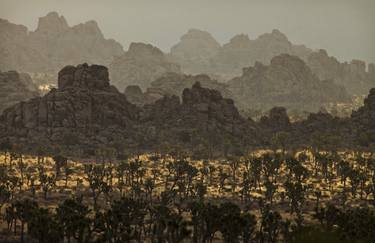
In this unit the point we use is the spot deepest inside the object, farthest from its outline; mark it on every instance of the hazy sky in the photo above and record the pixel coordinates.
(344, 27)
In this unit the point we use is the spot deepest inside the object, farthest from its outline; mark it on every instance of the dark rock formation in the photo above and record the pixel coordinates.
(87, 111)
(15, 87)
(286, 82)
(84, 104)
(140, 65)
(364, 120)
(277, 119)
(203, 119)
(53, 45)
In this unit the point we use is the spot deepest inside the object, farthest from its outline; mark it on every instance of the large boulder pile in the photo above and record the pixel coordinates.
(83, 104)
(15, 87)
(140, 65)
(85, 111)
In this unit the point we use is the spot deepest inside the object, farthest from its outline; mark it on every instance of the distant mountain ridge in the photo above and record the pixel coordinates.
(227, 61)
(53, 45)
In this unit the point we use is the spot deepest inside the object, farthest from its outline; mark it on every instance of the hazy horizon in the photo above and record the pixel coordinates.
(344, 28)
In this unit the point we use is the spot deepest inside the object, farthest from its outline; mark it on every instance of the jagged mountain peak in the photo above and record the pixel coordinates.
(52, 22)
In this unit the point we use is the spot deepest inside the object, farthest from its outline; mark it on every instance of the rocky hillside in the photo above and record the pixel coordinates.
(84, 109)
(199, 52)
(53, 45)
(287, 81)
(140, 65)
(354, 76)
(15, 87)
(195, 51)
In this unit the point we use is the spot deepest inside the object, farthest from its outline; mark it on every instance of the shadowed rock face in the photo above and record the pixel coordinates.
(83, 76)
(84, 103)
(287, 82)
(53, 45)
(364, 118)
(140, 65)
(15, 87)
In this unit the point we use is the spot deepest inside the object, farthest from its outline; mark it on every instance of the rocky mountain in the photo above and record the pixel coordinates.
(204, 120)
(353, 76)
(53, 45)
(86, 111)
(140, 65)
(199, 52)
(15, 87)
(84, 106)
(287, 81)
(195, 51)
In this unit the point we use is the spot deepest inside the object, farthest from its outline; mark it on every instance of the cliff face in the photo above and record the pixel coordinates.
(53, 45)
(287, 82)
(140, 65)
(15, 87)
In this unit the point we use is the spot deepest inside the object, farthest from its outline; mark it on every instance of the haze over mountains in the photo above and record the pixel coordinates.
(256, 73)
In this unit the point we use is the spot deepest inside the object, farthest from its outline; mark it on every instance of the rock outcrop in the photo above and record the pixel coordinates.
(140, 65)
(53, 45)
(353, 76)
(363, 120)
(85, 111)
(195, 51)
(175, 83)
(84, 104)
(286, 82)
(203, 118)
(15, 87)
